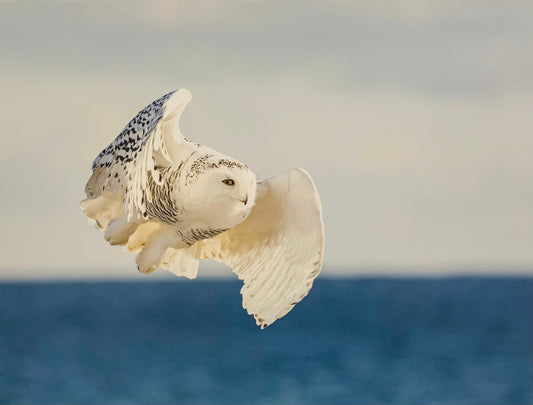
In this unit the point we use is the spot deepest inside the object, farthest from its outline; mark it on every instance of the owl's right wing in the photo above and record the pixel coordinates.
(277, 251)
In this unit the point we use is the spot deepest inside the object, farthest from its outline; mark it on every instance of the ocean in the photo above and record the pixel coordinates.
(464, 340)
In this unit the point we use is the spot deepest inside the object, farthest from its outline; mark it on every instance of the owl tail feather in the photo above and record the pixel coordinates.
(183, 262)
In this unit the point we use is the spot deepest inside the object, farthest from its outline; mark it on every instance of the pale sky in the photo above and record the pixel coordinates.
(416, 122)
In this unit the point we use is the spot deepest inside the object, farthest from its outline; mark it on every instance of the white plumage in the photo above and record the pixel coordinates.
(174, 202)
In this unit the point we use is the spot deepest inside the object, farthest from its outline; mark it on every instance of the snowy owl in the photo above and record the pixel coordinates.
(174, 202)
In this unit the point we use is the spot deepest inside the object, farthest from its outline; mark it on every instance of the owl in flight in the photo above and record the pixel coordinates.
(174, 202)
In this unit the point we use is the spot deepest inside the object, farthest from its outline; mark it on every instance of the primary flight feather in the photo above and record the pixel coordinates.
(173, 202)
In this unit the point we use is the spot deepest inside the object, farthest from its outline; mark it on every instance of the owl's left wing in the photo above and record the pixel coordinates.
(277, 251)
(123, 170)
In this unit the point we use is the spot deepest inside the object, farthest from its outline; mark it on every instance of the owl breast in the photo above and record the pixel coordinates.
(164, 205)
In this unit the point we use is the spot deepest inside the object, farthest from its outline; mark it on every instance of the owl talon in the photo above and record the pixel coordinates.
(144, 265)
(147, 270)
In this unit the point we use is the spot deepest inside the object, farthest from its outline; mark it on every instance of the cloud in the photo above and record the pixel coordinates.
(447, 48)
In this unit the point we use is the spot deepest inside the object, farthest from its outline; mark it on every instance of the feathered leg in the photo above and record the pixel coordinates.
(155, 247)
(119, 230)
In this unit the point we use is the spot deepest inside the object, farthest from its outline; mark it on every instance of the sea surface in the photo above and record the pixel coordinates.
(351, 341)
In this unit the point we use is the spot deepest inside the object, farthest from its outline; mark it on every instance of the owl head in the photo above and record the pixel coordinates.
(215, 189)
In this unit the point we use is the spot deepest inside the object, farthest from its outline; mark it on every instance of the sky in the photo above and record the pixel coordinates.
(415, 121)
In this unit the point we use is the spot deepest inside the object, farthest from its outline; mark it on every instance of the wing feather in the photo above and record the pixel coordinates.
(277, 251)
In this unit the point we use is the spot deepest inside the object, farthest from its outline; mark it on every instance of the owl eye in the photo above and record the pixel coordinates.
(229, 182)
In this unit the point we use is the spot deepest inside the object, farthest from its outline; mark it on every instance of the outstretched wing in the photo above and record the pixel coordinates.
(121, 172)
(277, 251)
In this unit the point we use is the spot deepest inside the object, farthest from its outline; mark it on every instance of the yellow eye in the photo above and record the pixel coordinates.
(229, 182)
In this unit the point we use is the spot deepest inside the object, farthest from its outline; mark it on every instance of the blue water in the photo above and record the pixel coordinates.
(373, 341)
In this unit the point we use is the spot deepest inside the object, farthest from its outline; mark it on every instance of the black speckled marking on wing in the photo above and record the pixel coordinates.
(133, 137)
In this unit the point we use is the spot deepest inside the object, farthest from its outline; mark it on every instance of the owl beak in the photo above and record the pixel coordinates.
(244, 200)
